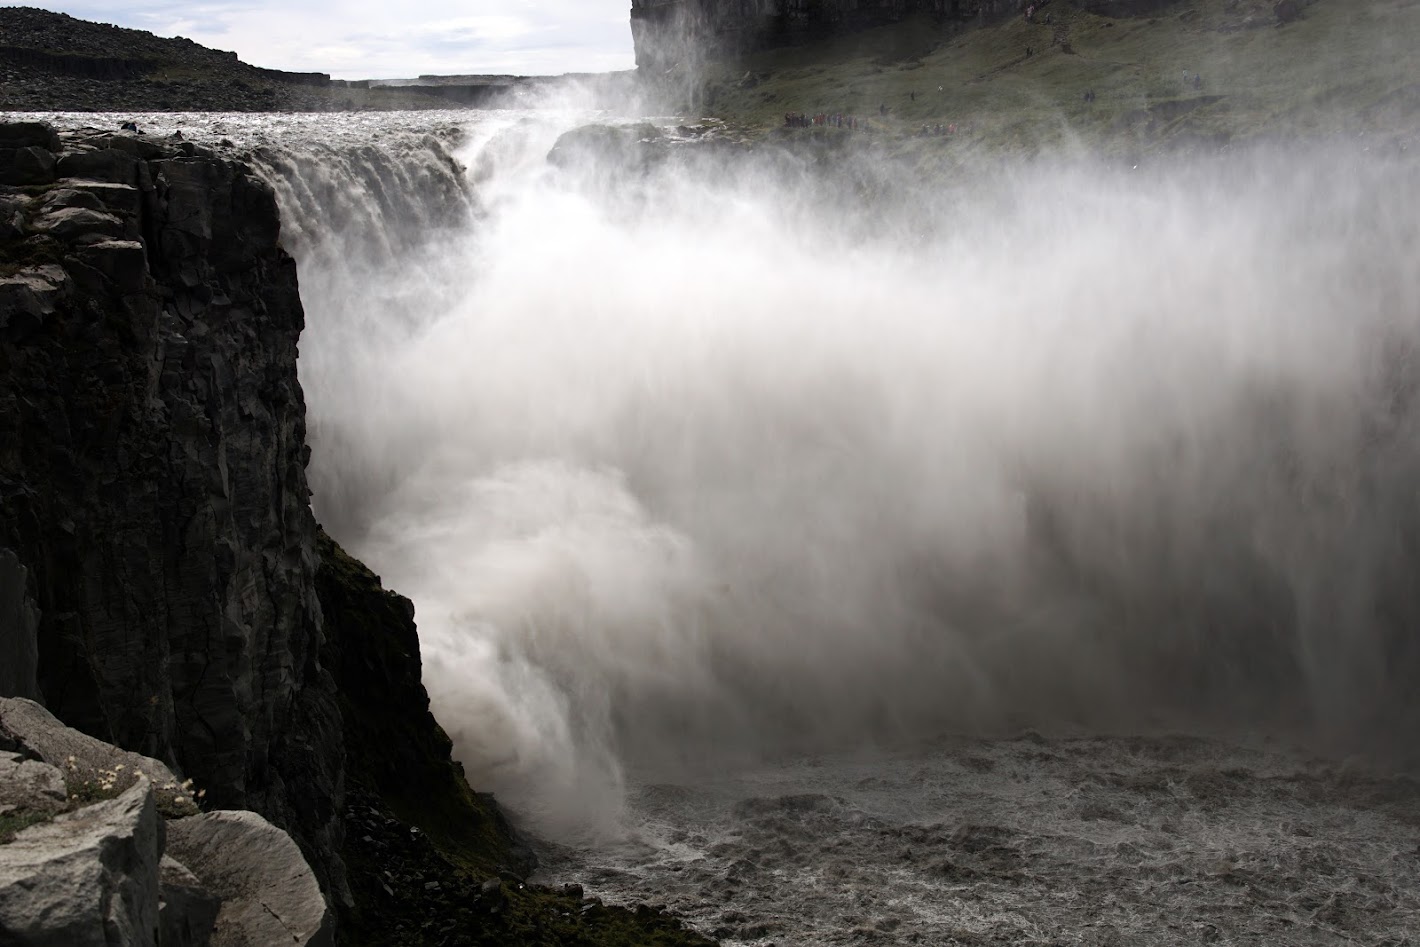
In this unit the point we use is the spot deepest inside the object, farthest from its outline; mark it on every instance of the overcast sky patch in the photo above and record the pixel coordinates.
(374, 39)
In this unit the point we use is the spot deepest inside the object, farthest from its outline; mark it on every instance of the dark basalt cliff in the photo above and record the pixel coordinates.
(668, 33)
(163, 583)
(152, 479)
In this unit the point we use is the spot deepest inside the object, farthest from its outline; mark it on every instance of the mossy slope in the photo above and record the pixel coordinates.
(1196, 73)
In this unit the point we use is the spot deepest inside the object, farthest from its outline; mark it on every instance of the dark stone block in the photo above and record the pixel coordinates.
(27, 165)
(28, 135)
(107, 164)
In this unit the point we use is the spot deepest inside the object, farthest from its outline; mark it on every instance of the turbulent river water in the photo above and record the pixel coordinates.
(836, 550)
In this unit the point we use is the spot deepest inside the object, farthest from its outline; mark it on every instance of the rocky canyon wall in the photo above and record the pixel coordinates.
(153, 499)
(684, 33)
(668, 32)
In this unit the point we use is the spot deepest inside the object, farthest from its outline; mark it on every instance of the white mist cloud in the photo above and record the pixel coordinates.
(364, 39)
(733, 458)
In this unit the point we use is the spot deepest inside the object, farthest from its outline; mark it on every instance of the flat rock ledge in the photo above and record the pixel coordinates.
(94, 862)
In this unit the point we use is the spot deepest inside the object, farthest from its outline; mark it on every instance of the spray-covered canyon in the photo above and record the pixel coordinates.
(754, 510)
(818, 540)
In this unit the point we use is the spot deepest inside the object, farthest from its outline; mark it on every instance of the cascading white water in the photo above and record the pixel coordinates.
(737, 456)
(727, 457)
(721, 460)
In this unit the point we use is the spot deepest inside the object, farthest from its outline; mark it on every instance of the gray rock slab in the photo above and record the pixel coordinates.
(28, 134)
(84, 759)
(64, 196)
(30, 785)
(87, 879)
(69, 223)
(269, 894)
(122, 199)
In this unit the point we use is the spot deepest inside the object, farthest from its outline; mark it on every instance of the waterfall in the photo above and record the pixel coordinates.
(734, 456)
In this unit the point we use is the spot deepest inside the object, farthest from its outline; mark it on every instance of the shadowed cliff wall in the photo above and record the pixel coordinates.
(152, 475)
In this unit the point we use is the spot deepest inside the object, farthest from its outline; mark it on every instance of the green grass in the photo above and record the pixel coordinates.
(13, 823)
(1344, 68)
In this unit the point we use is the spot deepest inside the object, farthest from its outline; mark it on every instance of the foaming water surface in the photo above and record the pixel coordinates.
(1099, 841)
(703, 461)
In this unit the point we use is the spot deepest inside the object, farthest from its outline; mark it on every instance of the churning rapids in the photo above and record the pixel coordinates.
(839, 554)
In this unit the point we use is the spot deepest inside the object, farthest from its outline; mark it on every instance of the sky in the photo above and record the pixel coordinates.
(377, 39)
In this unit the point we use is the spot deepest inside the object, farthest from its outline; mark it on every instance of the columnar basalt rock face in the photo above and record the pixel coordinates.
(152, 469)
(19, 648)
(672, 32)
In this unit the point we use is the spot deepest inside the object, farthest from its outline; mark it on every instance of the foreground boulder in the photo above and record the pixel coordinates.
(269, 894)
(97, 864)
(89, 877)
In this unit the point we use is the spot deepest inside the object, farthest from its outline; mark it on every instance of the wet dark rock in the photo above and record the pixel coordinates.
(19, 648)
(122, 263)
(105, 164)
(29, 165)
(609, 155)
(29, 135)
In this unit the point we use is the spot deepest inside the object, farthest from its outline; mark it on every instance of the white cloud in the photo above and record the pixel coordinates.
(357, 39)
(488, 27)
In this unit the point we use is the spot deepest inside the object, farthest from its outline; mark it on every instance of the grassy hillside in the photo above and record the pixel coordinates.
(1343, 67)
